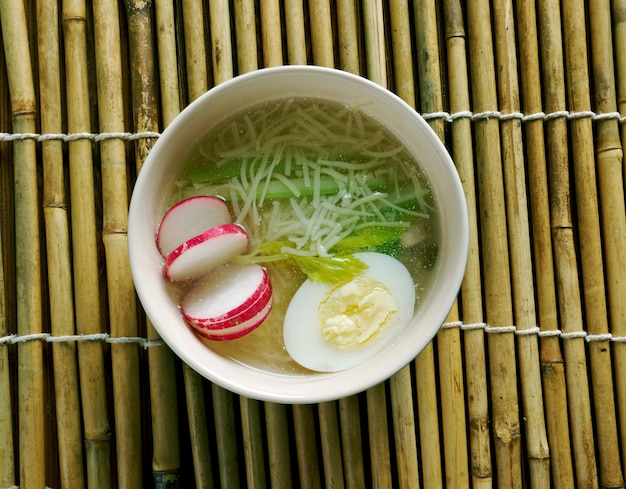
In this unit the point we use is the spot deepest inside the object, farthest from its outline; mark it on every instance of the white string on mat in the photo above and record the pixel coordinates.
(105, 337)
(539, 116)
(146, 343)
(96, 138)
(536, 330)
(446, 116)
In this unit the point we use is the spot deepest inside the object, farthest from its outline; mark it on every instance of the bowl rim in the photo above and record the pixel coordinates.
(290, 390)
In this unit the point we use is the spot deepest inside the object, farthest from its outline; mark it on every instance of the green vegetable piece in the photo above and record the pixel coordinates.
(376, 238)
(334, 270)
(277, 189)
(208, 173)
(205, 173)
(285, 188)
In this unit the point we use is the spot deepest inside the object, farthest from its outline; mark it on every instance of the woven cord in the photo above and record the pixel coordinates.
(445, 116)
(146, 343)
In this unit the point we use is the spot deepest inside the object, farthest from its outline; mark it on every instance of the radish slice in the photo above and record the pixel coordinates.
(253, 305)
(189, 218)
(239, 330)
(229, 302)
(204, 252)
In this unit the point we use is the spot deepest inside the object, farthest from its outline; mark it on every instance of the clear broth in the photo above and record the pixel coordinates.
(333, 155)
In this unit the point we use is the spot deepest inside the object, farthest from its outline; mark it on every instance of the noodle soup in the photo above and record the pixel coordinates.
(313, 183)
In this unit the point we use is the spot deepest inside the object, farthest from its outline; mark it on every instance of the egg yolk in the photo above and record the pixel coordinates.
(356, 312)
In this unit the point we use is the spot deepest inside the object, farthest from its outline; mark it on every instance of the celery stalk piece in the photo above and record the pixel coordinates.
(281, 187)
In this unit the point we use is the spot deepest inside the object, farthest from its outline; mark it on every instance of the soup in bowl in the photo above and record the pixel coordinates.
(298, 234)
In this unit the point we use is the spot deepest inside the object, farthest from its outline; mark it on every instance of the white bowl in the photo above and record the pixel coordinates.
(163, 164)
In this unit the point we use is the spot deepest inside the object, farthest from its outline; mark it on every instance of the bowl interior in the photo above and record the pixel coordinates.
(164, 164)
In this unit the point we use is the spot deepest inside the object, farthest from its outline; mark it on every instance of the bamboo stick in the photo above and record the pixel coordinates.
(351, 441)
(609, 156)
(271, 33)
(221, 44)
(619, 349)
(331, 445)
(571, 318)
(568, 289)
(404, 430)
(197, 421)
(278, 450)
(519, 246)
(306, 449)
(30, 398)
(591, 253)
(245, 29)
(501, 345)
(122, 307)
(195, 48)
(401, 45)
(143, 74)
(430, 97)
(618, 7)
(85, 257)
(295, 32)
(165, 456)
(69, 430)
(167, 60)
(253, 445)
(164, 408)
(551, 359)
(7, 457)
(7, 292)
(428, 416)
(348, 36)
(471, 287)
(321, 33)
(618, 10)
(374, 33)
(455, 443)
(226, 439)
(377, 426)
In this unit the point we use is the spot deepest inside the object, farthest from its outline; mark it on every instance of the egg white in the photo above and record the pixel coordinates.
(302, 330)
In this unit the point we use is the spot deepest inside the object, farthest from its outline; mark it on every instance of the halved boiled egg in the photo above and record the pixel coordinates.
(328, 328)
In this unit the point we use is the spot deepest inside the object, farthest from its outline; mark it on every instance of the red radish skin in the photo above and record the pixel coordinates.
(201, 254)
(235, 316)
(254, 301)
(228, 291)
(230, 302)
(237, 331)
(189, 218)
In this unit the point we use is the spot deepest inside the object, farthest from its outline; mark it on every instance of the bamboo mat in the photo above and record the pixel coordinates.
(524, 386)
